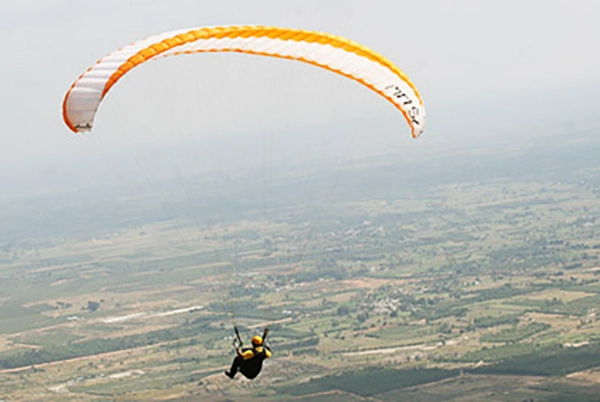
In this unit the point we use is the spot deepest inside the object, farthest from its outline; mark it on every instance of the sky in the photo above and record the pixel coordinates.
(485, 69)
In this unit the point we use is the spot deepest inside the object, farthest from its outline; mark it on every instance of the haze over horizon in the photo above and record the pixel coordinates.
(488, 74)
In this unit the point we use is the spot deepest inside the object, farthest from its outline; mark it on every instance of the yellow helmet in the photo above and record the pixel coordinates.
(257, 340)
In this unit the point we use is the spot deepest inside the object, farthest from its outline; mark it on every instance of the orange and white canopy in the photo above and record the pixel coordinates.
(331, 52)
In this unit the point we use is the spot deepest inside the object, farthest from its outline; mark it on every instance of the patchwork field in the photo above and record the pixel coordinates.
(454, 291)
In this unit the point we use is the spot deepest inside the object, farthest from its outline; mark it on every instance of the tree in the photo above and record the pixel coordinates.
(92, 305)
(343, 310)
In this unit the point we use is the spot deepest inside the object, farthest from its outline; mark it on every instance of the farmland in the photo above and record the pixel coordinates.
(469, 286)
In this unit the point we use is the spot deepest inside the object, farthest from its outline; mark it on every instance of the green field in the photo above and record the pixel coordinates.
(457, 290)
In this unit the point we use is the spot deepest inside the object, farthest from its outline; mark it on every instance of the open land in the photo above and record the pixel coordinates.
(477, 280)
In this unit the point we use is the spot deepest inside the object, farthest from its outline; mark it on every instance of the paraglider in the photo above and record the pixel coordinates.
(334, 53)
(331, 52)
(248, 361)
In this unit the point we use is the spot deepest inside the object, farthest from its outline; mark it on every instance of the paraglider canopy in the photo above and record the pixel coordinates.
(334, 53)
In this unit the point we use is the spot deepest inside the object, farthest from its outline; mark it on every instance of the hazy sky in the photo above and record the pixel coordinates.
(509, 60)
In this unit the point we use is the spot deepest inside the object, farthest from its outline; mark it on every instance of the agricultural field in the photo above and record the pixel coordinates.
(458, 289)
